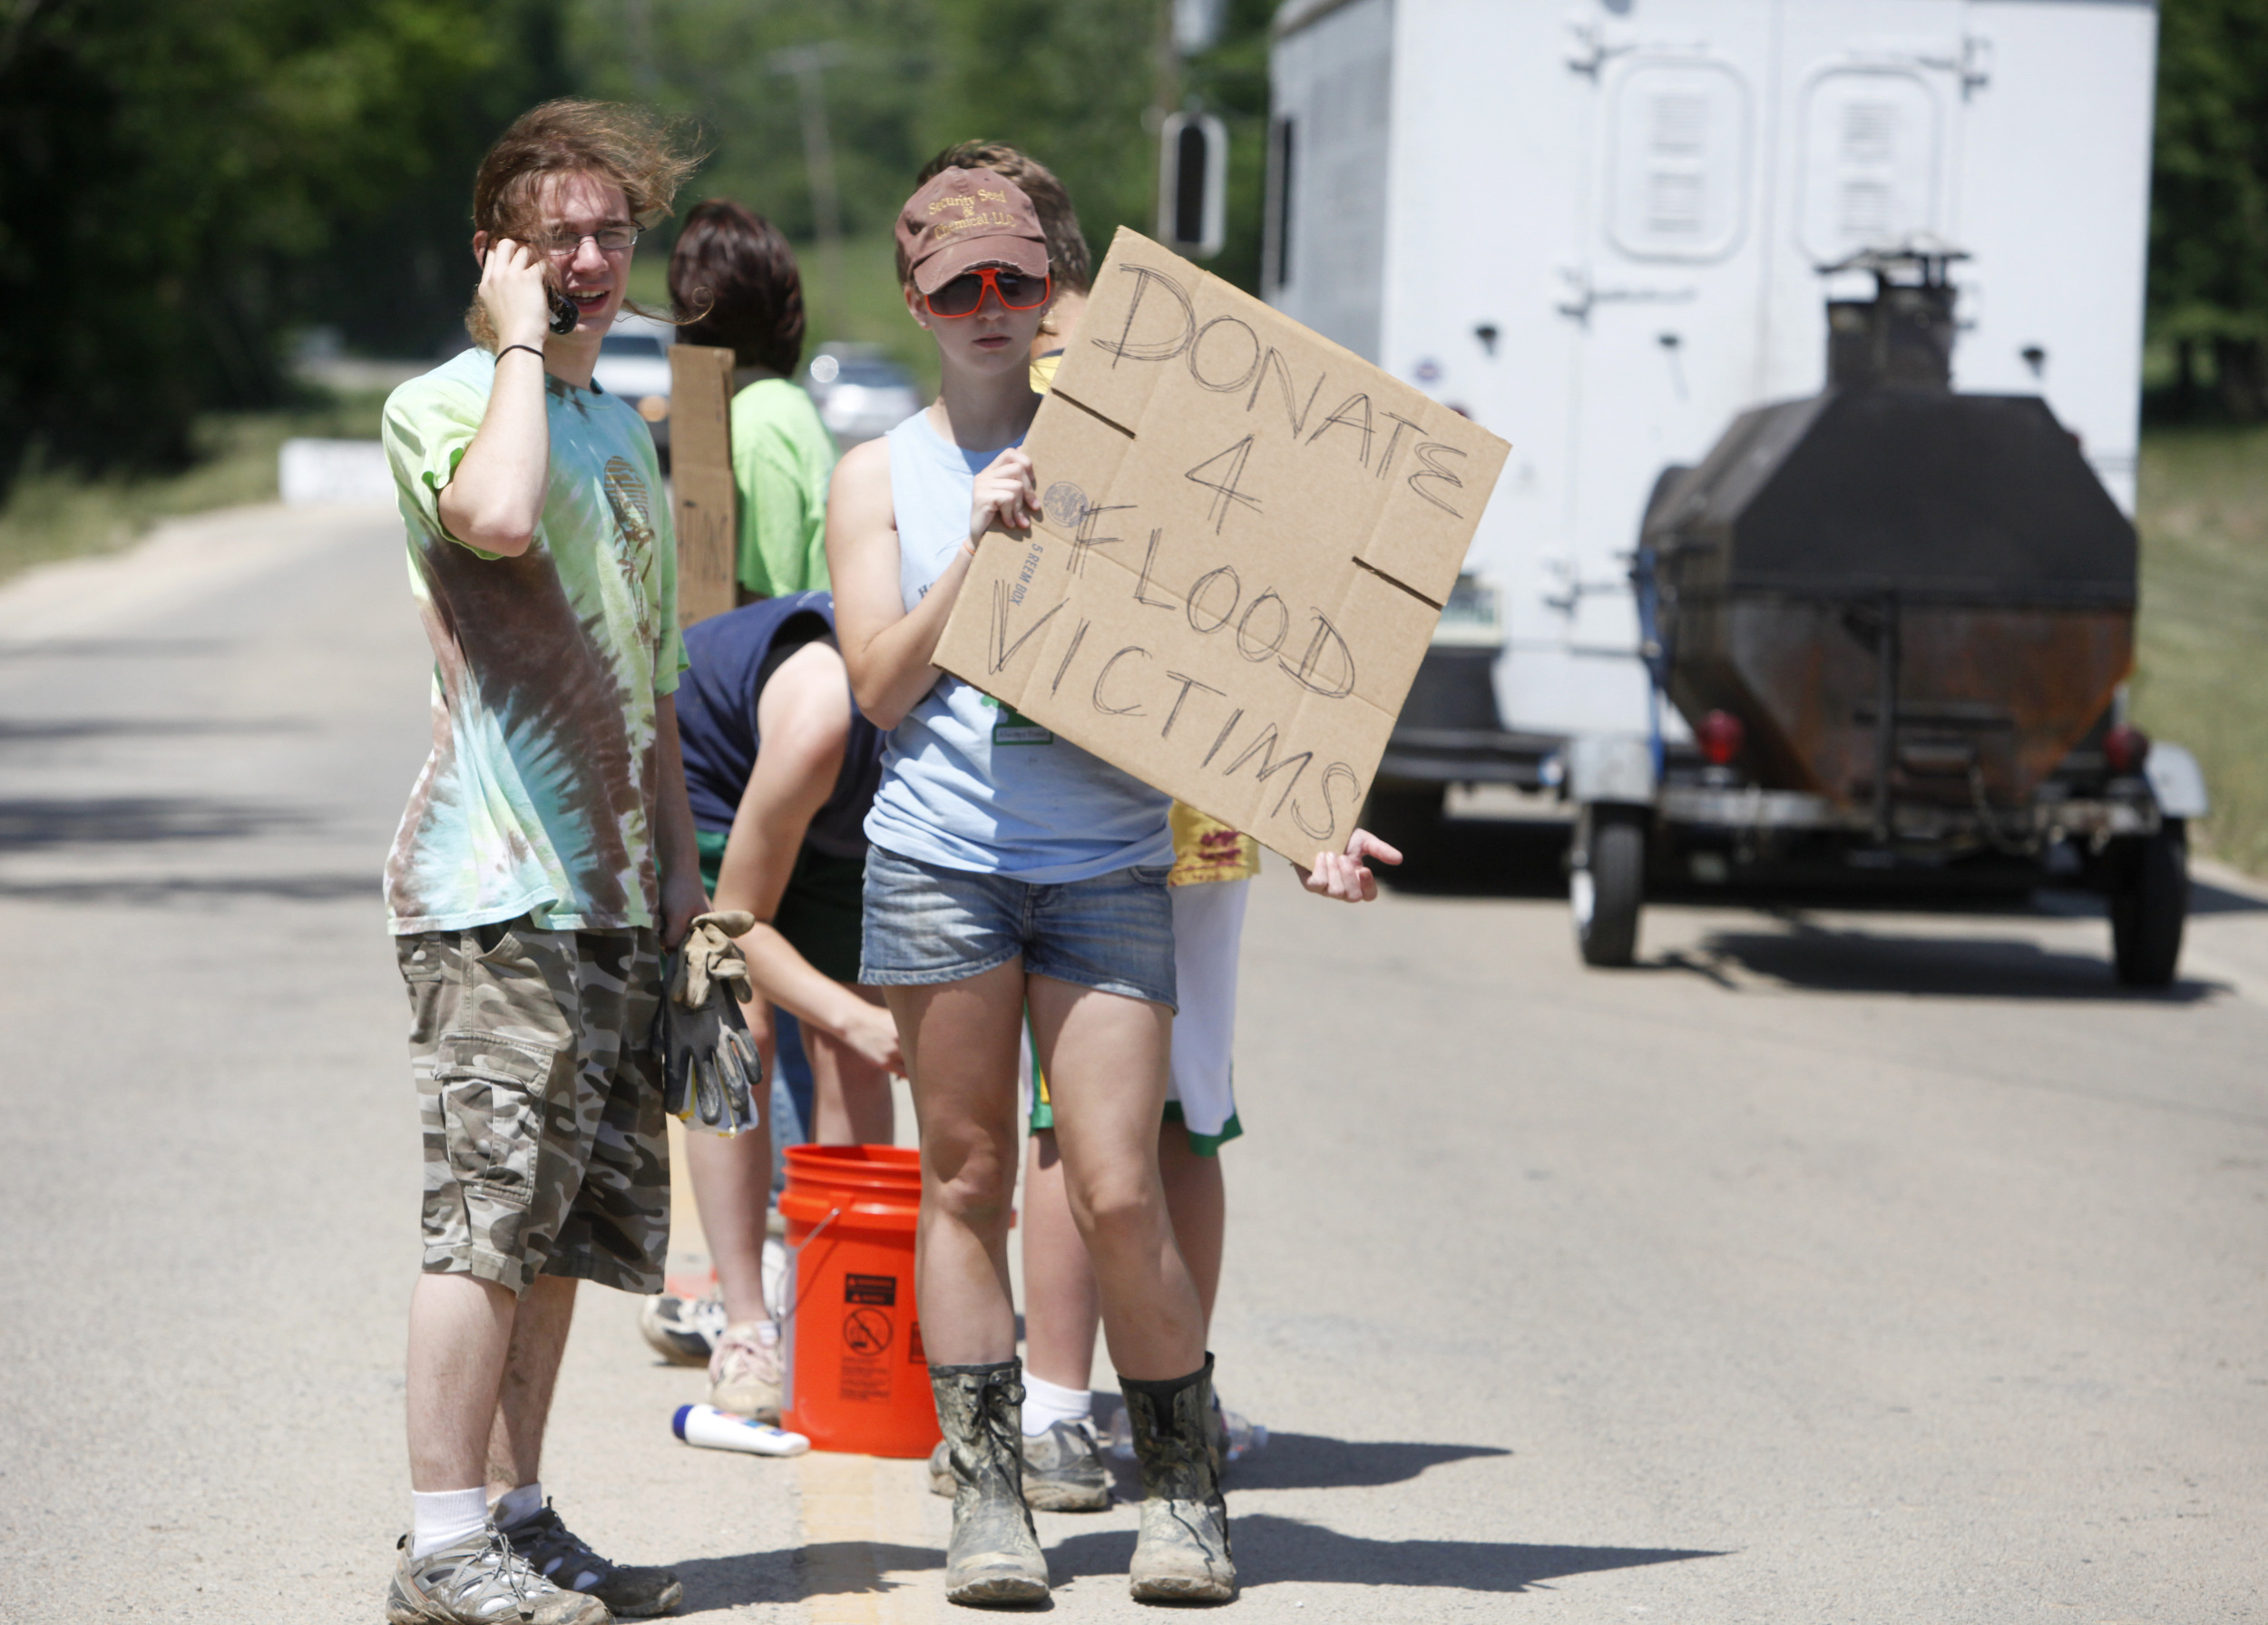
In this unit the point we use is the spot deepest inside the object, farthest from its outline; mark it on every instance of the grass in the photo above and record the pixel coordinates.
(2201, 677)
(52, 514)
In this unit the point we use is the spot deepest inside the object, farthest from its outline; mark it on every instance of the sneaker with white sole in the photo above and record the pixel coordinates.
(744, 1373)
(482, 1579)
(1062, 1470)
(682, 1330)
(565, 1559)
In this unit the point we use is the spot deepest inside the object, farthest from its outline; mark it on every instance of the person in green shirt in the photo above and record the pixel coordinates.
(734, 284)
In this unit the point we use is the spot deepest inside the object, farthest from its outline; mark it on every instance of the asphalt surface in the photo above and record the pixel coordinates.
(1835, 1265)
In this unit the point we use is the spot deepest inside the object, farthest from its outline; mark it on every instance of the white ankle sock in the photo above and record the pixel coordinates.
(444, 1517)
(1045, 1402)
(513, 1506)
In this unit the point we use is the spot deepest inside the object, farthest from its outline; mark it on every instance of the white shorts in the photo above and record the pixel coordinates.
(1209, 929)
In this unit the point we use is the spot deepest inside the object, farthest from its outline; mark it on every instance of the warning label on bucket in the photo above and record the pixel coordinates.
(866, 1375)
(870, 1289)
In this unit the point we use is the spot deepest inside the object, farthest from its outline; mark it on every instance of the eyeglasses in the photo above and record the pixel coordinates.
(965, 292)
(612, 239)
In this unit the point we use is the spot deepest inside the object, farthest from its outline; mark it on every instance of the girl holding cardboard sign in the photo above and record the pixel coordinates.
(1010, 868)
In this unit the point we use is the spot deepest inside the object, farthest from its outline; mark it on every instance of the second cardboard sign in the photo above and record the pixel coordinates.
(1249, 532)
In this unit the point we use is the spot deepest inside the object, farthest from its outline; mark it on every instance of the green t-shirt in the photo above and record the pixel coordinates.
(782, 457)
(541, 792)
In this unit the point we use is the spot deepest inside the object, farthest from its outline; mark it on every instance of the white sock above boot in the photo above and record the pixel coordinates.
(444, 1517)
(1045, 1402)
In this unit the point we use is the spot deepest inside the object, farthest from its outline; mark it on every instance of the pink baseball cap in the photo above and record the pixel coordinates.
(966, 218)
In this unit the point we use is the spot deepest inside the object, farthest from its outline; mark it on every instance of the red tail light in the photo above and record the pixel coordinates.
(1721, 736)
(2126, 748)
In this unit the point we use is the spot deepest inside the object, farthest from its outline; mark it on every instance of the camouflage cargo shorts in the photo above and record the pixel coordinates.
(541, 1102)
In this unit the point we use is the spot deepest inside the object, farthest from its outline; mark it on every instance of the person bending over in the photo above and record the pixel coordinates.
(781, 770)
(734, 284)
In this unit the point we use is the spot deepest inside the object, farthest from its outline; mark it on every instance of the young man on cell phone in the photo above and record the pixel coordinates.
(544, 863)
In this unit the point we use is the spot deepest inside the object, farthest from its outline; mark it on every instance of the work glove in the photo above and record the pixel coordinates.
(712, 1076)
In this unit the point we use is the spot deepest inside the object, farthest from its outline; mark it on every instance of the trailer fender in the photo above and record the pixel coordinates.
(2175, 780)
(1607, 766)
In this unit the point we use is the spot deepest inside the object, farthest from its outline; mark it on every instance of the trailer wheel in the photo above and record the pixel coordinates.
(2149, 903)
(1607, 884)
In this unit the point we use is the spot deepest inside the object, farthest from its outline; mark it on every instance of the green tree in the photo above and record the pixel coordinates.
(174, 173)
(2209, 195)
(719, 61)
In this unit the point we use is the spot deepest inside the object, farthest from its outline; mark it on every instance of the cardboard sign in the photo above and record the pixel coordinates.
(700, 473)
(1249, 534)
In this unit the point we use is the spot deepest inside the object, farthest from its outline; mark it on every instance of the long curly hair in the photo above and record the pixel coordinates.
(733, 282)
(646, 155)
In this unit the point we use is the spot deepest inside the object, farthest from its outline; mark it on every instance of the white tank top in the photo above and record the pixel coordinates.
(966, 782)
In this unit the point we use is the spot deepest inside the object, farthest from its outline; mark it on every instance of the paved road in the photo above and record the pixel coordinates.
(1832, 1267)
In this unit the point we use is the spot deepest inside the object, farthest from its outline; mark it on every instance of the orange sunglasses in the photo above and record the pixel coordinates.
(965, 293)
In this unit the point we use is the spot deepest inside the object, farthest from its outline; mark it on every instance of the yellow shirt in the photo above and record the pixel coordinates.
(1207, 849)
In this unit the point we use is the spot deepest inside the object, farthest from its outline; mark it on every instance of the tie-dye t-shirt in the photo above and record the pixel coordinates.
(540, 796)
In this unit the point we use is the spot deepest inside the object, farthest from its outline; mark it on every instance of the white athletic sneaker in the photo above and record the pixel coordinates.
(682, 1330)
(481, 1580)
(744, 1373)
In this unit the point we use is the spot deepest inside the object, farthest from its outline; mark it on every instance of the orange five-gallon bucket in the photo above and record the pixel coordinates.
(857, 1378)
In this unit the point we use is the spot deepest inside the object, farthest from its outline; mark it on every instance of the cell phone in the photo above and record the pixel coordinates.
(564, 316)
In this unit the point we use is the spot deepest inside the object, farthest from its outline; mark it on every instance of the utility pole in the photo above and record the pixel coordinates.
(1166, 71)
(638, 20)
(806, 65)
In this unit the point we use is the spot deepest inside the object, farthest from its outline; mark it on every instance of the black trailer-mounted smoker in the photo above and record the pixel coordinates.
(1896, 619)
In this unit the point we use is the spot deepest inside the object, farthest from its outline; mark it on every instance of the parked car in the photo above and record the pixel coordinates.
(634, 363)
(861, 393)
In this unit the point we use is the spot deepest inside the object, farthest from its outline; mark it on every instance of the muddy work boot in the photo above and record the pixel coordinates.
(1182, 1552)
(994, 1558)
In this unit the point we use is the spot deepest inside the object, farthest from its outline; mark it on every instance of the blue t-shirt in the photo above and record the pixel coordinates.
(966, 782)
(732, 656)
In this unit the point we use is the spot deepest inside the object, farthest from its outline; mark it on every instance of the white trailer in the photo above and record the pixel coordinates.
(1596, 226)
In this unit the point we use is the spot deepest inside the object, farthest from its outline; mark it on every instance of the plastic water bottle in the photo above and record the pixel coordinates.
(706, 1425)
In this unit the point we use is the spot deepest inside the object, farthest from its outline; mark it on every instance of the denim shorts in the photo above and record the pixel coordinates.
(925, 924)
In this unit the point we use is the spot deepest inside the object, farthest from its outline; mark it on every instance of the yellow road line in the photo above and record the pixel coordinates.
(858, 1512)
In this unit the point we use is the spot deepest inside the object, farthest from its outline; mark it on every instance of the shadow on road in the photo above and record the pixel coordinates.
(2204, 897)
(135, 820)
(115, 648)
(145, 891)
(715, 1583)
(1821, 960)
(1273, 1551)
(1310, 1461)
(17, 730)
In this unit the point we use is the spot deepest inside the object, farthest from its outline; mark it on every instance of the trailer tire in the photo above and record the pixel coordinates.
(1606, 888)
(2149, 904)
